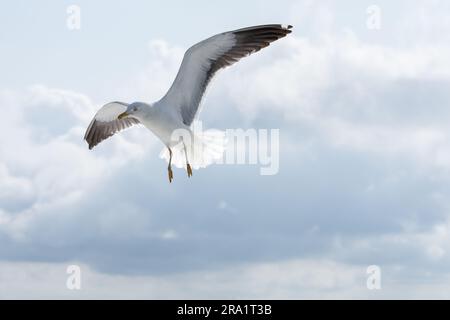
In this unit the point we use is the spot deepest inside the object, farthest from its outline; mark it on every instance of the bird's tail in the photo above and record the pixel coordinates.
(203, 148)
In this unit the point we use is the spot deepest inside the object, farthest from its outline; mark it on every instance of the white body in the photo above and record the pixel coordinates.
(162, 121)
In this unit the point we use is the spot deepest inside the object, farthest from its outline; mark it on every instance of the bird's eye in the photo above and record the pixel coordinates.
(134, 109)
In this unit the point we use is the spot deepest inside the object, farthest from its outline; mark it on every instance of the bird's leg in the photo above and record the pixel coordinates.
(169, 168)
(189, 170)
(188, 166)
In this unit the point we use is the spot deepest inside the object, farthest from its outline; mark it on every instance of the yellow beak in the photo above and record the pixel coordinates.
(122, 115)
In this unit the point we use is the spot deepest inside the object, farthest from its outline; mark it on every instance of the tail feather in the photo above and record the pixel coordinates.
(204, 149)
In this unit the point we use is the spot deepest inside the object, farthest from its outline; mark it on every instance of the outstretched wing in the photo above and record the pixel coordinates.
(204, 59)
(105, 123)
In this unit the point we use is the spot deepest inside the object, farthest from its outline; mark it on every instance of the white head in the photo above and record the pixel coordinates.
(134, 110)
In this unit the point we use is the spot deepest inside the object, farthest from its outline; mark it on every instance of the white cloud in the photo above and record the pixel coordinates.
(355, 95)
(45, 163)
(295, 279)
(363, 176)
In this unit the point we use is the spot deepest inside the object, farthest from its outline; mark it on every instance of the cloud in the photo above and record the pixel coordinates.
(364, 175)
(292, 279)
(45, 164)
(296, 279)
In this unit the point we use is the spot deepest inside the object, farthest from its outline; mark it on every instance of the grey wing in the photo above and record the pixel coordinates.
(105, 123)
(204, 59)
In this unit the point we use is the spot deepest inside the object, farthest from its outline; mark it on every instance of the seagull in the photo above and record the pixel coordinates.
(178, 109)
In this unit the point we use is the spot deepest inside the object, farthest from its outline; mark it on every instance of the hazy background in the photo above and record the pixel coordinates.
(364, 153)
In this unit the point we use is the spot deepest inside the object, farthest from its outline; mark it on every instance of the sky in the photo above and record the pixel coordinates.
(364, 173)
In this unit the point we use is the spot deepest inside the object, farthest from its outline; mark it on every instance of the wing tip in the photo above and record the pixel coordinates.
(90, 143)
(287, 28)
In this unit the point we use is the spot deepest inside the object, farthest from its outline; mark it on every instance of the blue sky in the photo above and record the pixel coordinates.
(364, 155)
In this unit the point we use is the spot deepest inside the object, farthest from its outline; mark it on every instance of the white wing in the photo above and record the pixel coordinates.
(204, 59)
(105, 123)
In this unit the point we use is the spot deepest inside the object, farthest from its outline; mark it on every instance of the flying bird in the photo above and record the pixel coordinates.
(180, 106)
